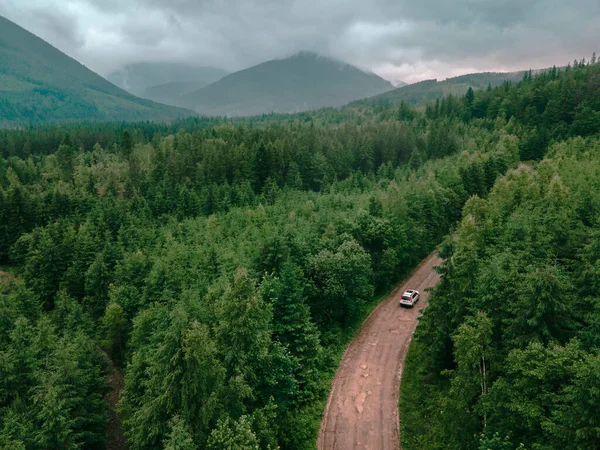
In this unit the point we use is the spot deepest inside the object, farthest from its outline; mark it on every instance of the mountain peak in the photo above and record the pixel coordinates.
(313, 56)
(297, 83)
(306, 54)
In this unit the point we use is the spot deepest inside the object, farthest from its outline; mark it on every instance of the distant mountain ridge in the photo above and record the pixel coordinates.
(139, 77)
(170, 93)
(429, 90)
(39, 83)
(301, 82)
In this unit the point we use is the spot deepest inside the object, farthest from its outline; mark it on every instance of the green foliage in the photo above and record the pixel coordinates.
(180, 437)
(341, 282)
(114, 328)
(244, 330)
(224, 265)
(293, 326)
(515, 294)
(137, 265)
(174, 371)
(553, 105)
(497, 443)
(52, 391)
(233, 435)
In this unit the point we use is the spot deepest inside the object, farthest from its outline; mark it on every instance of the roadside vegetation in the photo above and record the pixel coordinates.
(507, 355)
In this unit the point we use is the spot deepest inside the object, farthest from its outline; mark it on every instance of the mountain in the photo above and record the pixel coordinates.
(169, 93)
(425, 91)
(137, 78)
(39, 83)
(302, 82)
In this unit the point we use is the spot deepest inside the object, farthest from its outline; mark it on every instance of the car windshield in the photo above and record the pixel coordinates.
(406, 297)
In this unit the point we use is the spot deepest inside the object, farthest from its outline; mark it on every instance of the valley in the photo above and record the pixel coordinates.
(206, 248)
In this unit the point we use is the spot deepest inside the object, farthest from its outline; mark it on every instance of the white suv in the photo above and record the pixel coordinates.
(409, 298)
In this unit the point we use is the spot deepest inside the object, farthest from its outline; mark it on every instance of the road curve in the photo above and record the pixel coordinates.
(362, 410)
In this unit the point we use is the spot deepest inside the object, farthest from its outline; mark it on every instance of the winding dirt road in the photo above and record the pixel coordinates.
(362, 410)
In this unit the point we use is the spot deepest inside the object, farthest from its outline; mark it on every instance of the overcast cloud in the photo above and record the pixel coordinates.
(406, 40)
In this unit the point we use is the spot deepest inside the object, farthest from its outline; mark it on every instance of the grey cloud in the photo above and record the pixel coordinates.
(49, 22)
(63, 27)
(400, 39)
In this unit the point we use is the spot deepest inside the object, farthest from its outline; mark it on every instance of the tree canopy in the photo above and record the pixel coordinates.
(222, 266)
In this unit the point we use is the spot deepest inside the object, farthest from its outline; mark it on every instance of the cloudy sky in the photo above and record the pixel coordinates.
(406, 40)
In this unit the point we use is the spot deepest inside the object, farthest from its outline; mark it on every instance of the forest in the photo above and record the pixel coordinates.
(508, 354)
(223, 265)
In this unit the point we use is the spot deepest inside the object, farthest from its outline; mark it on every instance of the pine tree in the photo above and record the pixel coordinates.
(114, 333)
(405, 113)
(174, 370)
(180, 437)
(126, 144)
(65, 156)
(244, 327)
(472, 354)
(293, 325)
(470, 97)
(97, 279)
(233, 435)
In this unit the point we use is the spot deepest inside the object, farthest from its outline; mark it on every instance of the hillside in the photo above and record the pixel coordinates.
(302, 82)
(39, 83)
(148, 78)
(425, 91)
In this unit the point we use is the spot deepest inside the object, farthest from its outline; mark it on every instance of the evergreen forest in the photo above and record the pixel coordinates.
(222, 266)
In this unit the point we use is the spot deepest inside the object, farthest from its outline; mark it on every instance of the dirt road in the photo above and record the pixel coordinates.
(362, 410)
(114, 378)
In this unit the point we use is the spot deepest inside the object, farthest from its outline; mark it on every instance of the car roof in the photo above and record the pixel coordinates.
(409, 291)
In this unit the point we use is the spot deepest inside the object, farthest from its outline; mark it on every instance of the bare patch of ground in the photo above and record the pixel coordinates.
(114, 378)
(6, 276)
